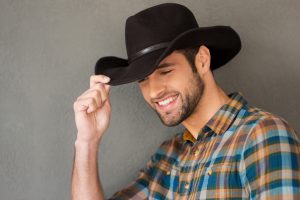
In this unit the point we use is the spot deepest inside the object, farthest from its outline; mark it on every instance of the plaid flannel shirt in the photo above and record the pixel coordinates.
(243, 152)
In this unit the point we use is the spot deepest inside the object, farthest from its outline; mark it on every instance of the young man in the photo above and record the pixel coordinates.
(230, 150)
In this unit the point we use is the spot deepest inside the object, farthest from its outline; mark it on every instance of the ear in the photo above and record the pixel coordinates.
(202, 60)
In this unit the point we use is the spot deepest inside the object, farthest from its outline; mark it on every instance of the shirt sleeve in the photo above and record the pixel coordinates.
(138, 189)
(271, 161)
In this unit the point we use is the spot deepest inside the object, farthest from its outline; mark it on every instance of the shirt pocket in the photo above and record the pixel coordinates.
(223, 176)
(221, 168)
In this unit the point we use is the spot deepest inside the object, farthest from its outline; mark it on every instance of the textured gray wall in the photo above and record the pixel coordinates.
(47, 52)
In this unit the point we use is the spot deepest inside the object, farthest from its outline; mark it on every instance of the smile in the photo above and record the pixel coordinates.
(167, 102)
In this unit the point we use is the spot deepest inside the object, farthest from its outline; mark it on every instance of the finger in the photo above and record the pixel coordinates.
(97, 87)
(103, 91)
(79, 105)
(107, 88)
(92, 93)
(98, 79)
(87, 104)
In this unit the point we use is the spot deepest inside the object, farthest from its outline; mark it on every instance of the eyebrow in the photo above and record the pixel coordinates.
(163, 65)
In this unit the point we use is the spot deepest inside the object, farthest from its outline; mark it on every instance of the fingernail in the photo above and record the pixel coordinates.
(106, 79)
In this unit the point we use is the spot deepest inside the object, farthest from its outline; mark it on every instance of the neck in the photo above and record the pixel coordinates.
(212, 100)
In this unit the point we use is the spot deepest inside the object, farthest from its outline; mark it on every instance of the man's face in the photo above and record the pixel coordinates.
(173, 90)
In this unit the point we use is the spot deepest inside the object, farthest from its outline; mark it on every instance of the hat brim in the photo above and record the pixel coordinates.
(222, 41)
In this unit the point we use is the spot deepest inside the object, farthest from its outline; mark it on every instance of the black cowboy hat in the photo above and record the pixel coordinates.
(154, 33)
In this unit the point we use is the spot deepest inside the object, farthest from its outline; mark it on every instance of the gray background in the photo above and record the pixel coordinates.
(47, 53)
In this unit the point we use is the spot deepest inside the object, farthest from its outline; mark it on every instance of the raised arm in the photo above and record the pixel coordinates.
(92, 115)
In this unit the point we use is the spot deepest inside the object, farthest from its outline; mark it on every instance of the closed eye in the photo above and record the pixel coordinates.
(165, 72)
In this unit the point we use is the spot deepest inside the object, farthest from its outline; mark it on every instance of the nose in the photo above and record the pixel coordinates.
(156, 88)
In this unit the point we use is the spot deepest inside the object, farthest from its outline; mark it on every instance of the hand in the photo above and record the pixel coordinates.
(92, 110)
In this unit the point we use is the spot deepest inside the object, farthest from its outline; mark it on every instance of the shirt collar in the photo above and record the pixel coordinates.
(221, 120)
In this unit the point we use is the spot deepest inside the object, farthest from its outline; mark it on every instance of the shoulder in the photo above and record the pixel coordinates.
(270, 134)
(271, 125)
(257, 123)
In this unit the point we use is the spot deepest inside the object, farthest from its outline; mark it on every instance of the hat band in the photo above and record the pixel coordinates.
(148, 50)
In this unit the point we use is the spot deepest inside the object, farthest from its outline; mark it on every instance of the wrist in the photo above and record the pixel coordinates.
(86, 153)
(83, 144)
(82, 140)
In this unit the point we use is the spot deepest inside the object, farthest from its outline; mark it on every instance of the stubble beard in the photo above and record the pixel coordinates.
(189, 102)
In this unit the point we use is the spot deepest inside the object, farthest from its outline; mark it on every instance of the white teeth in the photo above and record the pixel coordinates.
(166, 101)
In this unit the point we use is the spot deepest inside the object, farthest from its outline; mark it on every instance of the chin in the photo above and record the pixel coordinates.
(171, 124)
(170, 121)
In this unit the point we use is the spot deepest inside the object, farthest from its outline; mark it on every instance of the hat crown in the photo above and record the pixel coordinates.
(158, 24)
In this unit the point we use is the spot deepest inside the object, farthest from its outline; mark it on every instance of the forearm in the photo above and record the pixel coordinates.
(85, 179)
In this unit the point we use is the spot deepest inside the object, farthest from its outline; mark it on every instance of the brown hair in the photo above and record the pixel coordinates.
(190, 54)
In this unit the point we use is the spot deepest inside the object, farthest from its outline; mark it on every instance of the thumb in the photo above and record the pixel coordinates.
(107, 88)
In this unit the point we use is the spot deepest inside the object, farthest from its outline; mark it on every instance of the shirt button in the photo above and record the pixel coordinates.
(209, 172)
(196, 152)
(186, 186)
